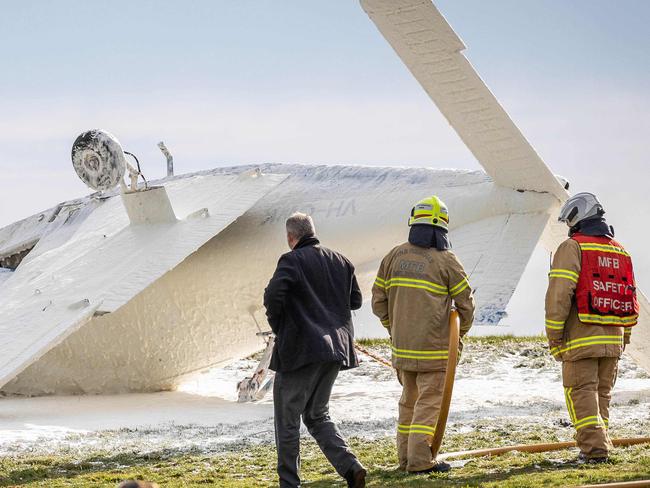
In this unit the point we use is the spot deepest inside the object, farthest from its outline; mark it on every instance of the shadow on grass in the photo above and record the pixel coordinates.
(46, 468)
(395, 478)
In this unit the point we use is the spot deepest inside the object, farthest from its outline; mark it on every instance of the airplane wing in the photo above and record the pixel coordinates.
(101, 262)
(432, 51)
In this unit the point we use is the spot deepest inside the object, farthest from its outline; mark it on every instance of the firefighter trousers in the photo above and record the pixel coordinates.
(419, 407)
(588, 387)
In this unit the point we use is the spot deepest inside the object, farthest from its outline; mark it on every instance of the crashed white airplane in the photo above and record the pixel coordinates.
(101, 301)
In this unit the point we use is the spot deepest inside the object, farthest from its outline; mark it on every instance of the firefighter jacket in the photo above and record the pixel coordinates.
(569, 338)
(412, 296)
(606, 291)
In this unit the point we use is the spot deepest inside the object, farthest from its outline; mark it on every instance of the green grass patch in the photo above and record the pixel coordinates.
(373, 342)
(484, 340)
(255, 467)
(502, 339)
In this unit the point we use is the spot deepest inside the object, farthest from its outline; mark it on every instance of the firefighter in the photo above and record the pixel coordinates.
(591, 305)
(412, 296)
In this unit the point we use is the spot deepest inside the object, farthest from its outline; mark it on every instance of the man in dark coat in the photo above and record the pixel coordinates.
(308, 305)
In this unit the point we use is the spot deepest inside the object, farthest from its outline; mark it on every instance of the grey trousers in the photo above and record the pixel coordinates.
(306, 392)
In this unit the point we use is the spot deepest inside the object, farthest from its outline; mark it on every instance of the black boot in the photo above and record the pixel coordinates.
(583, 459)
(356, 477)
(439, 467)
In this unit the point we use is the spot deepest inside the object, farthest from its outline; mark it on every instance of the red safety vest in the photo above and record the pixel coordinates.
(606, 291)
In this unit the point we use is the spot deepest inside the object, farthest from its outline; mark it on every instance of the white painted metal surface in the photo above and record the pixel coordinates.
(432, 51)
(25, 233)
(5, 274)
(149, 206)
(106, 262)
(503, 245)
(201, 312)
(639, 347)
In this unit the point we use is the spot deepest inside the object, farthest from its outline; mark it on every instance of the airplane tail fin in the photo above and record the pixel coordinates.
(495, 252)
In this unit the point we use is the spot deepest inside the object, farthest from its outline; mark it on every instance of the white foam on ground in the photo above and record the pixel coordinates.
(520, 387)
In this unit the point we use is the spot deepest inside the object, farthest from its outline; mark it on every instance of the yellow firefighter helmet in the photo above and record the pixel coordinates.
(430, 211)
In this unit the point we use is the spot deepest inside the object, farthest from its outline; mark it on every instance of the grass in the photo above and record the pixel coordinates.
(484, 340)
(255, 467)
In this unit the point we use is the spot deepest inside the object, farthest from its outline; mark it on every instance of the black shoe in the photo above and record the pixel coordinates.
(598, 460)
(356, 477)
(439, 467)
(584, 459)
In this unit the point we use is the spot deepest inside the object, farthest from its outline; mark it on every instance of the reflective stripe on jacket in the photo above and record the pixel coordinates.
(412, 297)
(569, 338)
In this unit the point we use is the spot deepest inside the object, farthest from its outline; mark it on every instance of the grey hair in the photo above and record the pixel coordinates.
(300, 225)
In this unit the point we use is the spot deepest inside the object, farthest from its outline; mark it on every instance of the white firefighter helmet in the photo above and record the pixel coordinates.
(579, 207)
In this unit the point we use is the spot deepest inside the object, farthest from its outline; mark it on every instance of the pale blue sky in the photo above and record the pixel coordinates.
(229, 82)
(297, 48)
(243, 81)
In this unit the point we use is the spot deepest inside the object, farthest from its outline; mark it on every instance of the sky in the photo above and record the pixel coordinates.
(225, 82)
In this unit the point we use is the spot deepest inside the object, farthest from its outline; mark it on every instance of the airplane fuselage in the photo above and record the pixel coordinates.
(206, 311)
